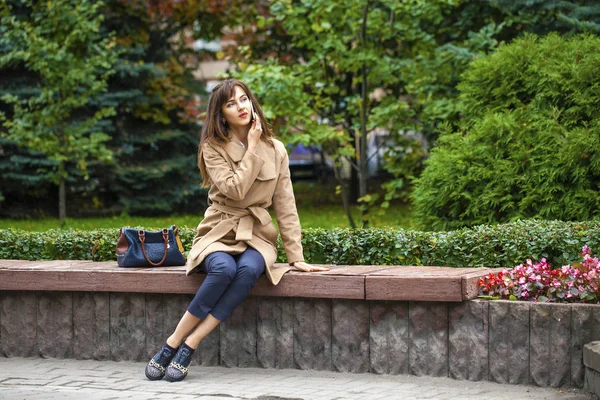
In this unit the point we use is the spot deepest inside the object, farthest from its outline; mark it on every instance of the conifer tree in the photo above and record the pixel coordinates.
(155, 131)
(60, 43)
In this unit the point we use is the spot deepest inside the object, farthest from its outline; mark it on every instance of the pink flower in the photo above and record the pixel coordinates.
(557, 285)
(529, 280)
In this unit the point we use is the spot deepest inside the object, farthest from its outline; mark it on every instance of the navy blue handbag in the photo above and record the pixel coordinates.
(140, 248)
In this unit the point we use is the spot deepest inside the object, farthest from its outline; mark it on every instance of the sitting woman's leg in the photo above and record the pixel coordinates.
(250, 265)
(221, 269)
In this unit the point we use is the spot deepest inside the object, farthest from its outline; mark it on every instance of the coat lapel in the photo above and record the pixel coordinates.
(269, 169)
(234, 151)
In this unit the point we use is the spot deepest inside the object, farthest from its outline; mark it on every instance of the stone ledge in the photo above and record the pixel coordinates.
(359, 282)
(591, 355)
(500, 341)
(591, 360)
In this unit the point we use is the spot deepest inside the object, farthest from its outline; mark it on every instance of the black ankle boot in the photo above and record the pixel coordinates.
(178, 369)
(157, 366)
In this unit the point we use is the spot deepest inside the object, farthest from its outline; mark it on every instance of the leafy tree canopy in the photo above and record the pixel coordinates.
(331, 73)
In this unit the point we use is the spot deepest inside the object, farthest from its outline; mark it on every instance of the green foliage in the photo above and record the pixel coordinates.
(502, 245)
(154, 134)
(307, 55)
(311, 58)
(23, 172)
(338, 54)
(468, 31)
(528, 147)
(56, 63)
(481, 246)
(62, 45)
(544, 16)
(23, 245)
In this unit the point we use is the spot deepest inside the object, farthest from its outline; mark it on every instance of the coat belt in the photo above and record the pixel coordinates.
(242, 219)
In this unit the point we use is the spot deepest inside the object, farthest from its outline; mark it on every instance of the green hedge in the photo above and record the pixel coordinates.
(528, 143)
(502, 245)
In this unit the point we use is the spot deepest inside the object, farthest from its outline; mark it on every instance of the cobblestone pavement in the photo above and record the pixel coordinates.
(35, 378)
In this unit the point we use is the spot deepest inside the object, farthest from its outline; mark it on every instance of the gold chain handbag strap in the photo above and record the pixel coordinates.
(142, 237)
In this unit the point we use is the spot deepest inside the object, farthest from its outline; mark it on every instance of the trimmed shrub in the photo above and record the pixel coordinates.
(503, 245)
(529, 146)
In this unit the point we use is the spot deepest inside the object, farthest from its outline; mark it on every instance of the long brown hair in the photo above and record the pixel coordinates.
(214, 130)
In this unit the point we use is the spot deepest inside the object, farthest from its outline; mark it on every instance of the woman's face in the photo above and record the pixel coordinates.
(237, 110)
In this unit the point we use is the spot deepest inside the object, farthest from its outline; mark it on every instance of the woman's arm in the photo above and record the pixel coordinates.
(284, 204)
(234, 184)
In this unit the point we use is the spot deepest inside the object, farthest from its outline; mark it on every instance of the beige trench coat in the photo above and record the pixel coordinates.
(244, 185)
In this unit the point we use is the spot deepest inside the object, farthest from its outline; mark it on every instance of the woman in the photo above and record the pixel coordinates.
(247, 171)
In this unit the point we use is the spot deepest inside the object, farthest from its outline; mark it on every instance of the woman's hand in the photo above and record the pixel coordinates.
(255, 132)
(302, 266)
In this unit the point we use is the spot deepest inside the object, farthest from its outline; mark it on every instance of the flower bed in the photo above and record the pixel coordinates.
(577, 282)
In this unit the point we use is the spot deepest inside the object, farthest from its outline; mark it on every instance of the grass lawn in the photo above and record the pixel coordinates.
(311, 216)
(334, 216)
(318, 207)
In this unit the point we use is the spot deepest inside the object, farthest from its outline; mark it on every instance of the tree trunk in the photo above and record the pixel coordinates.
(62, 200)
(345, 195)
(277, 124)
(363, 156)
(353, 183)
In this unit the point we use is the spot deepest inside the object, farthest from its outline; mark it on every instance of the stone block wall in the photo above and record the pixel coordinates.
(591, 361)
(500, 341)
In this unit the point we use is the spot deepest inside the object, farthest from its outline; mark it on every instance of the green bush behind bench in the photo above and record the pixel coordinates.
(501, 245)
(527, 145)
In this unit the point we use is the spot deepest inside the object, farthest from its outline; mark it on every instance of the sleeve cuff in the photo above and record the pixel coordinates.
(255, 157)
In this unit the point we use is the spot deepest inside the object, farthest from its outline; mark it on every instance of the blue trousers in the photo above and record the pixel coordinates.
(228, 282)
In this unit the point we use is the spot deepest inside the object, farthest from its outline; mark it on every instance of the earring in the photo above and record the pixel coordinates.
(223, 120)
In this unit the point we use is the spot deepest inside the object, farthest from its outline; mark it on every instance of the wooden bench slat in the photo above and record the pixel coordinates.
(314, 286)
(421, 271)
(340, 282)
(353, 269)
(426, 288)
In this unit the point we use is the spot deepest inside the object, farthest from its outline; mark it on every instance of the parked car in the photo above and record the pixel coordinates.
(310, 163)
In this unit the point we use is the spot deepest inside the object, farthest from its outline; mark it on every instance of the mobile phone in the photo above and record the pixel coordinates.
(253, 112)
